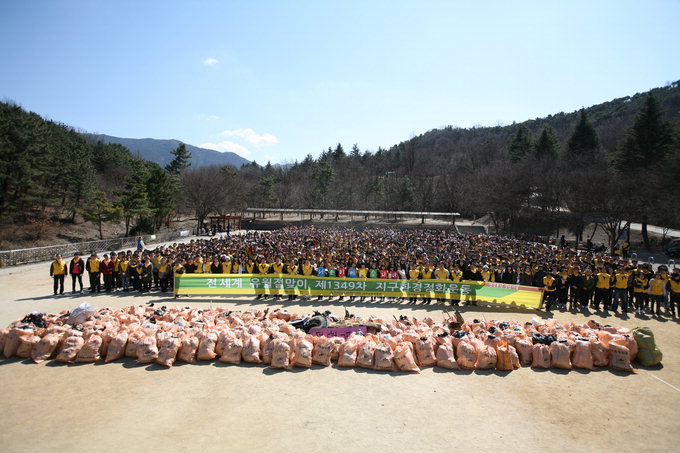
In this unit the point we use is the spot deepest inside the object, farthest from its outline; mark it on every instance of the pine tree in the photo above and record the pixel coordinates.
(521, 144)
(584, 141)
(648, 141)
(547, 145)
(180, 161)
(100, 210)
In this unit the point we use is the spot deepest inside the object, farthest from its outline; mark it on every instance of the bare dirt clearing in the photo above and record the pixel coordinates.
(215, 407)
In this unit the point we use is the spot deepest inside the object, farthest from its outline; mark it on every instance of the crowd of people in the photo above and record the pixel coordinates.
(570, 279)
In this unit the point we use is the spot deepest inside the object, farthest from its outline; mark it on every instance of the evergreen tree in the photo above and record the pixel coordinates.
(584, 141)
(180, 161)
(339, 152)
(134, 200)
(648, 141)
(356, 152)
(521, 144)
(547, 145)
(100, 210)
(163, 191)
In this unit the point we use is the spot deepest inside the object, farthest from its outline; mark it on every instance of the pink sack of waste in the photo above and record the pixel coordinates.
(629, 342)
(600, 353)
(26, 343)
(221, 341)
(582, 357)
(117, 346)
(90, 350)
(619, 357)
(605, 337)
(445, 357)
(487, 358)
(366, 353)
(12, 340)
(70, 349)
(147, 350)
(187, 352)
(524, 349)
(384, 357)
(466, 355)
(403, 357)
(206, 346)
(251, 349)
(348, 353)
(3, 339)
(337, 346)
(134, 339)
(280, 354)
(45, 348)
(266, 349)
(425, 352)
(303, 352)
(560, 355)
(322, 352)
(168, 351)
(232, 351)
(540, 355)
(508, 359)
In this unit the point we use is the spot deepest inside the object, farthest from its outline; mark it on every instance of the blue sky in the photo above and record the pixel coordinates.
(277, 80)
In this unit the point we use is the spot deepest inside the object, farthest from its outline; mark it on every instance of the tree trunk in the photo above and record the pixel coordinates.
(645, 235)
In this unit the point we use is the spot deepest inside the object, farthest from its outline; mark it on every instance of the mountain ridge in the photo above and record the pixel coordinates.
(159, 150)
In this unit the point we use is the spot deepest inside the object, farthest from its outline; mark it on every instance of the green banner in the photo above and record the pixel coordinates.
(280, 284)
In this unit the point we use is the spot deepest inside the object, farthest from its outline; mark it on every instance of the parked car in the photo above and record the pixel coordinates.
(673, 252)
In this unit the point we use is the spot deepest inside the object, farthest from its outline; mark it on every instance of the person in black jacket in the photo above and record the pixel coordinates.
(76, 268)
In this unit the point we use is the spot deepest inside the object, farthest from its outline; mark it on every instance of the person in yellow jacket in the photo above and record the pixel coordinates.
(92, 266)
(441, 273)
(657, 288)
(164, 272)
(640, 288)
(226, 265)
(602, 289)
(549, 291)
(673, 289)
(413, 274)
(58, 272)
(621, 279)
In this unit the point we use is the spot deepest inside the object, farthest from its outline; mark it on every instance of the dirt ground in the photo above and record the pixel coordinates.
(217, 407)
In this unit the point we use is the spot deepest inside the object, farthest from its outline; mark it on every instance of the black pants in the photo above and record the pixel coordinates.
(156, 279)
(59, 284)
(549, 298)
(108, 282)
(76, 278)
(146, 285)
(95, 282)
(164, 283)
(602, 295)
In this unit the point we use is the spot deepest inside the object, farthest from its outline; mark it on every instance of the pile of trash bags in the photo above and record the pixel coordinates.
(280, 339)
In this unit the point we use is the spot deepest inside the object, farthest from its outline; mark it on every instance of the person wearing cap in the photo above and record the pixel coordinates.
(76, 268)
(226, 265)
(621, 278)
(58, 272)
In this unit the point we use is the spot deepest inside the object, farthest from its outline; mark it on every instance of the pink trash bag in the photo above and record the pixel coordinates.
(403, 357)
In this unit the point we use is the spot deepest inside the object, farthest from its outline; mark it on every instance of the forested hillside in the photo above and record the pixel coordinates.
(50, 174)
(610, 164)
